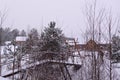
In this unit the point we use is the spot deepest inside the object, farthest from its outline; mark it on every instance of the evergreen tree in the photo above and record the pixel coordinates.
(32, 37)
(53, 38)
(23, 33)
(0, 36)
(15, 33)
(115, 43)
(116, 47)
(5, 35)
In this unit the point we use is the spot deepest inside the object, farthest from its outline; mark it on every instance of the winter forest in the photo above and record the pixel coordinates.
(49, 54)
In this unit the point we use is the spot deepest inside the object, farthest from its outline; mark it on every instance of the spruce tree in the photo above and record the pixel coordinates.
(52, 38)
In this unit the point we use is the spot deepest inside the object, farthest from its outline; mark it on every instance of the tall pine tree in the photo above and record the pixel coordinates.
(52, 38)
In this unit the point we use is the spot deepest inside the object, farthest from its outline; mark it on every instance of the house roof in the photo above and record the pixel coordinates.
(21, 38)
(91, 45)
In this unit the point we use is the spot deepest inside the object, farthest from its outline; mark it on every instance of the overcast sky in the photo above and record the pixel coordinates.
(68, 14)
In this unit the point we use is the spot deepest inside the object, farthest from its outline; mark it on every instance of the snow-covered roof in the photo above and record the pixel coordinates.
(21, 38)
(7, 42)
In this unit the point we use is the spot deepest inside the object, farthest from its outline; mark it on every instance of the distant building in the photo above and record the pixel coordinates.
(20, 40)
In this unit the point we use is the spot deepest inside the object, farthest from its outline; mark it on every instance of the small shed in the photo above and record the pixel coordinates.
(20, 39)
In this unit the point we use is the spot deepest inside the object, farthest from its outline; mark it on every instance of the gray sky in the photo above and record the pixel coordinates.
(69, 14)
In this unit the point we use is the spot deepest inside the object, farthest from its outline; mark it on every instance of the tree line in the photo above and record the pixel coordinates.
(7, 34)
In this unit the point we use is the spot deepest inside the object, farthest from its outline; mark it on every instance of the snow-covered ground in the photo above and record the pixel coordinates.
(1, 78)
(5, 71)
(76, 61)
(84, 70)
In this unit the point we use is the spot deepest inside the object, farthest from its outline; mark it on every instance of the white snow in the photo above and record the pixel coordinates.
(1, 78)
(2, 50)
(7, 42)
(118, 52)
(5, 71)
(21, 38)
(116, 65)
(71, 60)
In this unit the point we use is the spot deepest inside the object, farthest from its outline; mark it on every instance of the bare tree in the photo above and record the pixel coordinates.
(96, 19)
